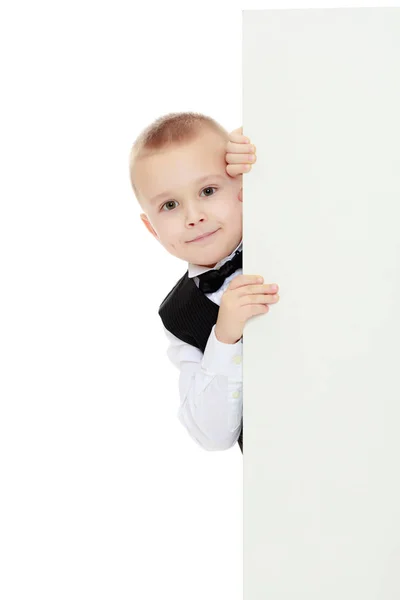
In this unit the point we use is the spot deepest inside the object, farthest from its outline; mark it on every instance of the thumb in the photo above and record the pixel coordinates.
(239, 130)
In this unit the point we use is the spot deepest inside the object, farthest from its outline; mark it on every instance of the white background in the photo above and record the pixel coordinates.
(103, 493)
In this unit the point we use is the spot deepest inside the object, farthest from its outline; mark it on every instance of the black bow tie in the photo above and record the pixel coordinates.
(212, 280)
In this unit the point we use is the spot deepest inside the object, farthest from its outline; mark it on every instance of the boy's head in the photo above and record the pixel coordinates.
(178, 174)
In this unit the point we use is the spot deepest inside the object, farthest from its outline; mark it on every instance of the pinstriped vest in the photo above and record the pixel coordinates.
(190, 315)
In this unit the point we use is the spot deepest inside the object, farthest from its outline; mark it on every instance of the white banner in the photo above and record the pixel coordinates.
(321, 369)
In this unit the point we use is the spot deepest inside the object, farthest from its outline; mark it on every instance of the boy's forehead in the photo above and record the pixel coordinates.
(179, 166)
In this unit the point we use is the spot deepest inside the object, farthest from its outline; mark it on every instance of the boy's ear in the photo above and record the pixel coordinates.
(148, 225)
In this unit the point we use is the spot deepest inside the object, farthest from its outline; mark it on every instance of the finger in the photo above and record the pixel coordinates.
(269, 289)
(238, 138)
(244, 280)
(235, 170)
(233, 158)
(259, 299)
(257, 309)
(237, 147)
(238, 131)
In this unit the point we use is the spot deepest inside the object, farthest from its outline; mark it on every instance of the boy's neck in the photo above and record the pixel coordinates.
(195, 269)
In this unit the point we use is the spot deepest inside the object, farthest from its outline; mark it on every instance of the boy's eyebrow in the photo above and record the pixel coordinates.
(197, 182)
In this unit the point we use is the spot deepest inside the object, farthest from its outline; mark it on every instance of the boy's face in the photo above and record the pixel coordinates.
(190, 208)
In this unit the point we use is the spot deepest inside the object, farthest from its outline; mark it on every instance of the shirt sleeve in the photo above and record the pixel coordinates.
(210, 390)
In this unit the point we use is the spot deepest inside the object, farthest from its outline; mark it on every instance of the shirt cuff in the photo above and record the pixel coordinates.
(223, 359)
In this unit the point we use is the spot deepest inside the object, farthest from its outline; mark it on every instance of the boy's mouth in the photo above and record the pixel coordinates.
(203, 237)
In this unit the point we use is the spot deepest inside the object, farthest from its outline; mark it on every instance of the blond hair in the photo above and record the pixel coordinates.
(168, 130)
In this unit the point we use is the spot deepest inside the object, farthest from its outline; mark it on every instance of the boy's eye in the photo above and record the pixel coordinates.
(166, 203)
(209, 188)
(172, 201)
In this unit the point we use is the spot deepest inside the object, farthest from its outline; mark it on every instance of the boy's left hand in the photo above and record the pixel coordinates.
(240, 153)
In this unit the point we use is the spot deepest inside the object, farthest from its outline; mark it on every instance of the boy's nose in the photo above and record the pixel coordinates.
(194, 216)
(194, 220)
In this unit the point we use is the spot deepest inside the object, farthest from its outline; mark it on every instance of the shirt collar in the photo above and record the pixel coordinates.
(195, 270)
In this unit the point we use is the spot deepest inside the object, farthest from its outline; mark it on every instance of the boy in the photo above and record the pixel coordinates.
(173, 163)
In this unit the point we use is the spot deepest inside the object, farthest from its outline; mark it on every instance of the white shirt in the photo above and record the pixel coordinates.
(210, 384)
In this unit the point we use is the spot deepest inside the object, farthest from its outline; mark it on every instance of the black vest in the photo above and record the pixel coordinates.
(190, 315)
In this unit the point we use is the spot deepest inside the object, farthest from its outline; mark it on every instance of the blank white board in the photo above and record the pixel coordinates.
(321, 372)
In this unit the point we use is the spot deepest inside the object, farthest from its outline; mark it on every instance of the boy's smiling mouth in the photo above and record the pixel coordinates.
(203, 237)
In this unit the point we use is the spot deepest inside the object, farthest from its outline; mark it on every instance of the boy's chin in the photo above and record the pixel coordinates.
(206, 259)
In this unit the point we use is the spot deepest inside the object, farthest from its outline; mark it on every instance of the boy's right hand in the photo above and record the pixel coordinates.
(244, 298)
